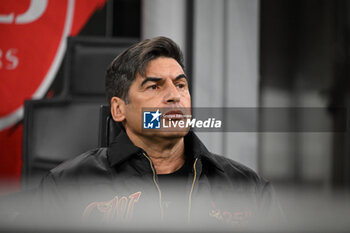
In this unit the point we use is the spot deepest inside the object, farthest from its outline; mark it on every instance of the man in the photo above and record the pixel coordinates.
(153, 175)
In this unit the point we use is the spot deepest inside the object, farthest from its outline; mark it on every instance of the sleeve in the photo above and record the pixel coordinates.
(37, 206)
(269, 205)
(50, 202)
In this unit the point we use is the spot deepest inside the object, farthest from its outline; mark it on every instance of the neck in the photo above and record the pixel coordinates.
(167, 155)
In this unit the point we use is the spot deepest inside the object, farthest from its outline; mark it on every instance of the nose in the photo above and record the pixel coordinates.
(172, 94)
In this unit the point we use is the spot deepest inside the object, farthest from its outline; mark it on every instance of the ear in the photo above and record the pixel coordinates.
(118, 109)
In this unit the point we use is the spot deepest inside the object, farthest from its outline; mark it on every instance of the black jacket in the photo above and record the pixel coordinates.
(120, 183)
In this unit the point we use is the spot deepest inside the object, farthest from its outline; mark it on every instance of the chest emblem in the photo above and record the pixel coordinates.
(230, 217)
(120, 208)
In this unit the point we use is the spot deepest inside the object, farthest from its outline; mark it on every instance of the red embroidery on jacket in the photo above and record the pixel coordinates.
(237, 217)
(117, 208)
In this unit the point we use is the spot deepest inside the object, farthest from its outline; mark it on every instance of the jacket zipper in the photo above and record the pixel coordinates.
(192, 187)
(160, 192)
(155, 182)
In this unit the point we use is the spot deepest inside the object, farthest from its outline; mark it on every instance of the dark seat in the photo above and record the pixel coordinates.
(54, 131)
(109, 129)
(58, 129)
(87, 59)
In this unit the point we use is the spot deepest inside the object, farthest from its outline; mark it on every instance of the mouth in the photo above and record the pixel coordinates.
(174, 115)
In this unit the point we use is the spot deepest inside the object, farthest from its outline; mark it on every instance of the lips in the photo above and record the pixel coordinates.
(174, 115)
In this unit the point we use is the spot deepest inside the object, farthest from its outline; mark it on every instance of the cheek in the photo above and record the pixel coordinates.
(132, 111)
(133, 117)
(187, 97)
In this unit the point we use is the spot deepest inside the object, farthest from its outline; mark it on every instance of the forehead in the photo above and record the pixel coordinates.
(163, 67)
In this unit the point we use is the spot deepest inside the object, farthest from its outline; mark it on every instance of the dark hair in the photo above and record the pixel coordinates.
(123, 69)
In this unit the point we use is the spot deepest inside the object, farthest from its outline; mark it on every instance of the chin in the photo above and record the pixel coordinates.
(172, 134)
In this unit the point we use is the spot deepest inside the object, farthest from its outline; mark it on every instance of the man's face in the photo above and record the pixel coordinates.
(164, 86)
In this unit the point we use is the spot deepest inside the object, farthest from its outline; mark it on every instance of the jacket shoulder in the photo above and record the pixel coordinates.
(84, 164)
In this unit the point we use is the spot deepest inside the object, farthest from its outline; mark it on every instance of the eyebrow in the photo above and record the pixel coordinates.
(180, 77)
(150, 79)
(155, 79)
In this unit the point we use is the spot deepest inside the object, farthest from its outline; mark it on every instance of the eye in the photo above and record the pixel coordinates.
(180, 85)
(152, 87)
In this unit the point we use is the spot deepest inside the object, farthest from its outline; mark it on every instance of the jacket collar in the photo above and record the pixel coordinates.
(122, 149)
(194, 146)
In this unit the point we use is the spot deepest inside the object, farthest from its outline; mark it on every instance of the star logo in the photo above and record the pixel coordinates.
(151, 120)
(156, 115)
